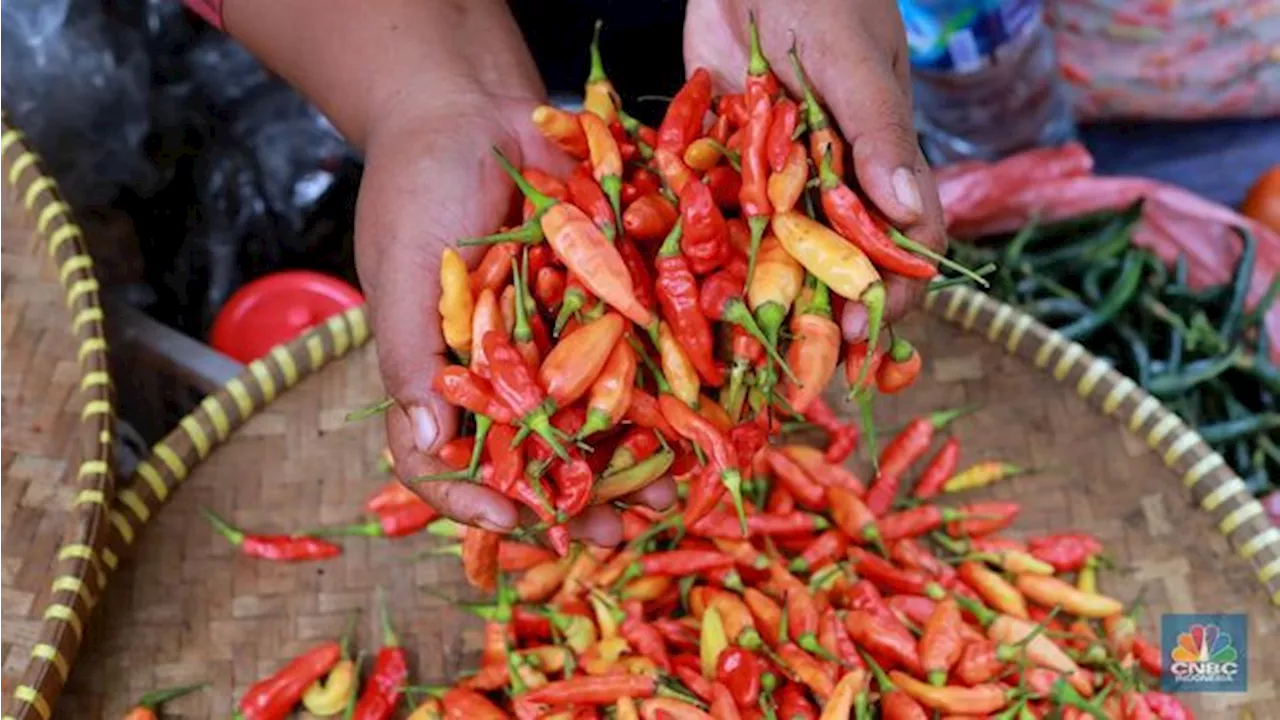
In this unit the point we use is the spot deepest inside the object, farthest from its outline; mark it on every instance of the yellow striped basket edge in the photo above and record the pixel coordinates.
(1212, 483)
(78, 576)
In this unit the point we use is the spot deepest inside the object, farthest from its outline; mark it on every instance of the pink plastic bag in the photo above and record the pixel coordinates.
(1056, 183)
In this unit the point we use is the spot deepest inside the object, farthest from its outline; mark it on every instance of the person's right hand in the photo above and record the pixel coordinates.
(429, 180)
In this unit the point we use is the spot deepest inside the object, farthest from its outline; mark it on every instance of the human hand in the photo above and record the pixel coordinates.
(854, 54)
(429, 180)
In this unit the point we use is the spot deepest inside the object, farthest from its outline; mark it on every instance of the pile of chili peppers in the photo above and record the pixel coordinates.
(840, 600)
(1201, 351)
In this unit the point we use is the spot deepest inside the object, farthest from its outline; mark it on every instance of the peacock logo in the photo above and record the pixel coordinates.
(1204, 653)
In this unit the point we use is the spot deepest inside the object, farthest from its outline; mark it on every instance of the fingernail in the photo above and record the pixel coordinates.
(485, 523)
(425, 428)
(906, 190)
(855, 322)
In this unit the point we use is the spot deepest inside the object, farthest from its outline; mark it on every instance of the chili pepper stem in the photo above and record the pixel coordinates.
(528, 233)
(732, 481)
(910, 245)
(736, 312)
(365, 529)
(367, 411)
(156, 698)
(734, 395)
(936, 285)
(596, 74)
(442, 477)
(863, 399)
(233, 536)
(541, 202)
(483, 424)
(873, 299)
(389, 638)
(757, 224)
(612, 186)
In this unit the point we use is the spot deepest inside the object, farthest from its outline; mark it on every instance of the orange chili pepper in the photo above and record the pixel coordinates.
(702, 154)
(994, 589)
(583, 249)
(673, 170)
(824, 141)
(494, 269)
(677, 368)
(1050, 591)
(562, 129)
(646, 588)
(507, 308)
(664, 708)
(825, 472)
(542, 581)
(480, 557)
(650, 217)
(977, 700)
(610, 394)
(942, 641)
(766, 613)
(146, 706)
(485, 318)
(899, 368)
(806, 491)
(548, 287)
(852, 686)
(814, 352)
(851, 515)
(576, 361)
(807, 669)
(787, 182)
(774, 287)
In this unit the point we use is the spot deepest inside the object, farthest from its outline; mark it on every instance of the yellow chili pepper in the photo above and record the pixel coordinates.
(840, 705)
(775, 285)
(456, 302)
(1087, 578)
(835, 261)
(981, 475)
(602, 658)
(430, 709)
(547, 658)
(1016, 561)
(599, 97)
(702, 154)
(712, 641)
(608, 615)
(625, 709)
(1052, 592)
(541, 581)
(681, 375)
(331, 694)
(645, 589)
(579, 633)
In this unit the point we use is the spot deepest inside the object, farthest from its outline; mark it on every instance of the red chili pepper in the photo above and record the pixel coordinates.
(754, 195)
(1066, 552)
(1147, 654)
(1167, 707)
(705, 240)
(682, 123)
(860, 367)
(914, 439)
(938, 471)
(725, 185)
(646, 412)
(983, 518)
(588, 690)
(883, 491)
(782, 126)
(888, 575)
(677, 291)
(733, 107)
(586, 193)
(285, 548)
(462, 388)
(1136, 707)
(678, 563)
(849, 217)
(824, 550)
(679, 636)
(702, 433)
(807, 669)
(645, 182)
(480, 557)
(911, 554)
(800, 483)
(722, 705)
(916, 521)
(514, 384)
(390, 670)
(842, 437)
(646, 641)
(273, 698)
(650, 217)
(899, 368)
(793, 705)
(885, 638)
(688, 670)
(639, 444)
(495, 268)
(548, 288)
(740, 671)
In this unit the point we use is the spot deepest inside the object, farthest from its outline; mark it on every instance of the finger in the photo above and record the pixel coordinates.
(598, 525)
(466, 502)
(873, 111)
(658, 495)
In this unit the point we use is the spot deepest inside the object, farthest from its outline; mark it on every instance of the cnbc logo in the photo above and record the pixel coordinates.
(1204, 653)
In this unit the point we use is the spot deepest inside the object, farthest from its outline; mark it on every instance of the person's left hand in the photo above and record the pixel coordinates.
(854, 54)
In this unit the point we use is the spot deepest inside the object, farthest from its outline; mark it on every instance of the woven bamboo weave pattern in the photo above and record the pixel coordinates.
(186, 610)
(57, 408)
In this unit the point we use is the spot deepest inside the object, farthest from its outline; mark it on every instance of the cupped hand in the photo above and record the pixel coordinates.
(854, 54)
(430, 179)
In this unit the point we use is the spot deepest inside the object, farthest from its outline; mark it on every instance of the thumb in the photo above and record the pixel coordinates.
(420, 192)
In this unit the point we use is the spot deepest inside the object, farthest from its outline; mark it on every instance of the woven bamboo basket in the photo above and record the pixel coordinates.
(58, 431)
(182, 608)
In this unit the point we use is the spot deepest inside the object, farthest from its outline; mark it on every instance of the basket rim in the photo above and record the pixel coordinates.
(77, 578)
(1205, 474)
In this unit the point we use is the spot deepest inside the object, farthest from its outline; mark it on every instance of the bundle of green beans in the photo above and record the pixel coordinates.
(1199, 351)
